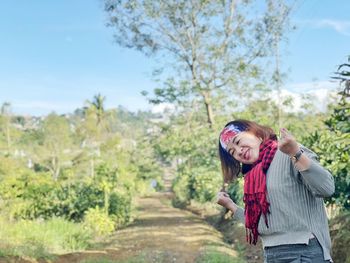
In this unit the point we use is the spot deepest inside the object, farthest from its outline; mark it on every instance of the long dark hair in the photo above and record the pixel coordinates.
(229, 165)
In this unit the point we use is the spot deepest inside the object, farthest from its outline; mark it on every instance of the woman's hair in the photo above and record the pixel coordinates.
(230, 166)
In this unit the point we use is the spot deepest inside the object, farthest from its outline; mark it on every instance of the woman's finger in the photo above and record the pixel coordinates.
(221, 194)
(284, 131)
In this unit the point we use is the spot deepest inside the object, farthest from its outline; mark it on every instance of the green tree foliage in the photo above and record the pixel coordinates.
(60, 184)
(266, 112)
(340, 233)
(50, 146)
(212, 46)
(5, 124)
(9, 135)
(30, 195)
(333, 144)
(191, 150)
(106, 180)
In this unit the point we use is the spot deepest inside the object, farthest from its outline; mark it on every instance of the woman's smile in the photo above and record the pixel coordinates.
(245, 147)
(246, 154)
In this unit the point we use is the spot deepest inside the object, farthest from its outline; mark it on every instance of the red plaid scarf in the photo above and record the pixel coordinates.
(255, 190)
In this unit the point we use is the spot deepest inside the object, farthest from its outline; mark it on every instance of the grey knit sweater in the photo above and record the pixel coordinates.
(296, 203)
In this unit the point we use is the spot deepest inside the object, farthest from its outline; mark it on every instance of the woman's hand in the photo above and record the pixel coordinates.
(224, 200)
(287, 143)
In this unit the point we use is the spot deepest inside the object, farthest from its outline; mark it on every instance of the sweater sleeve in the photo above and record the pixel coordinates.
(316, 178)
(239, 215)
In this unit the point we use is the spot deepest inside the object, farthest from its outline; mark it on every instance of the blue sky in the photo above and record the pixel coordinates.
(54, 55)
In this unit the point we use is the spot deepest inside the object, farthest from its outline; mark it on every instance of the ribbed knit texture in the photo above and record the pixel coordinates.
(296, 203)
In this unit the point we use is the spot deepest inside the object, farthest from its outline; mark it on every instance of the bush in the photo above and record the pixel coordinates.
(120, 208)
(340, 233)
(70, 201)
(205, 185)
(199, 184)
(98, 221)
(235, 190)
(181, 188)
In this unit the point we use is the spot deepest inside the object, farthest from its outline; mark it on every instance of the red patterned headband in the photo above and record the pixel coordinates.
(228, 133)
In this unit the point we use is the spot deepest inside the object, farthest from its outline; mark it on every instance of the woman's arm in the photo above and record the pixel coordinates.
(239, 214)
(224, 200)
(316, 178)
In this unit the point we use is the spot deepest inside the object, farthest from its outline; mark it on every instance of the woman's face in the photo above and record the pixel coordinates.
(244, 147)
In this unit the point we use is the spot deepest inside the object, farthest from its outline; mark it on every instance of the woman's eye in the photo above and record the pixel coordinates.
(237, 142)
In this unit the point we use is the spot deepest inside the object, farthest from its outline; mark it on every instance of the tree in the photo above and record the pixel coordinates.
(98, 108)
(212, 46)
(52, 148)
(6, 121)
(343, 75)
(333, 145)
(97, 116)
(94, 128)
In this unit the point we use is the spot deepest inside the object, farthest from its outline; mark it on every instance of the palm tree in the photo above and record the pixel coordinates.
(98, 105)
(96, 108)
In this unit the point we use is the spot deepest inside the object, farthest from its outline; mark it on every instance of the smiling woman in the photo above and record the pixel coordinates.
(283, 182)
(239, 146)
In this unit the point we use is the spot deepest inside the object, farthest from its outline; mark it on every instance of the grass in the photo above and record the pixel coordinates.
(40, 239)
(142, 258)
(30, 250)
(100, 260)
(211, 255)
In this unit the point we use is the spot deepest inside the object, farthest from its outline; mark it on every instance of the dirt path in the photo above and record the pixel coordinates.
(160, 233)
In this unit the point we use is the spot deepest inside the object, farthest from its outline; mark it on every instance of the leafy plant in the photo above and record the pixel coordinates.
(98, 221)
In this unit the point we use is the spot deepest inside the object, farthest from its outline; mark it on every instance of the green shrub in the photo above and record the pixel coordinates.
(98, 221)
(205, 184)
(69, 201)
(199, 184)
(340, 234)
(235, 190)
(46, 200)
(181, 188)
(120, 208)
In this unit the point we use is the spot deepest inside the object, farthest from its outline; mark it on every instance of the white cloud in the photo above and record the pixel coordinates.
(321, 93)
(340, 26)
(43, 107)
(160, 108)
(310, 86)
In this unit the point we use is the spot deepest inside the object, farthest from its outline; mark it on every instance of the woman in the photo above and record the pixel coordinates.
(284, 186)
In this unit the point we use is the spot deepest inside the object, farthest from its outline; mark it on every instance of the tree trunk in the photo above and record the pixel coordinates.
(55, 168)
(8, 137)
(106, 201)
(208, 107)
(92, 168)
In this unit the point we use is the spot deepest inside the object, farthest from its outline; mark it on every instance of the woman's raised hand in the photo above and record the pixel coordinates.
(287, 143)
(224, 200)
